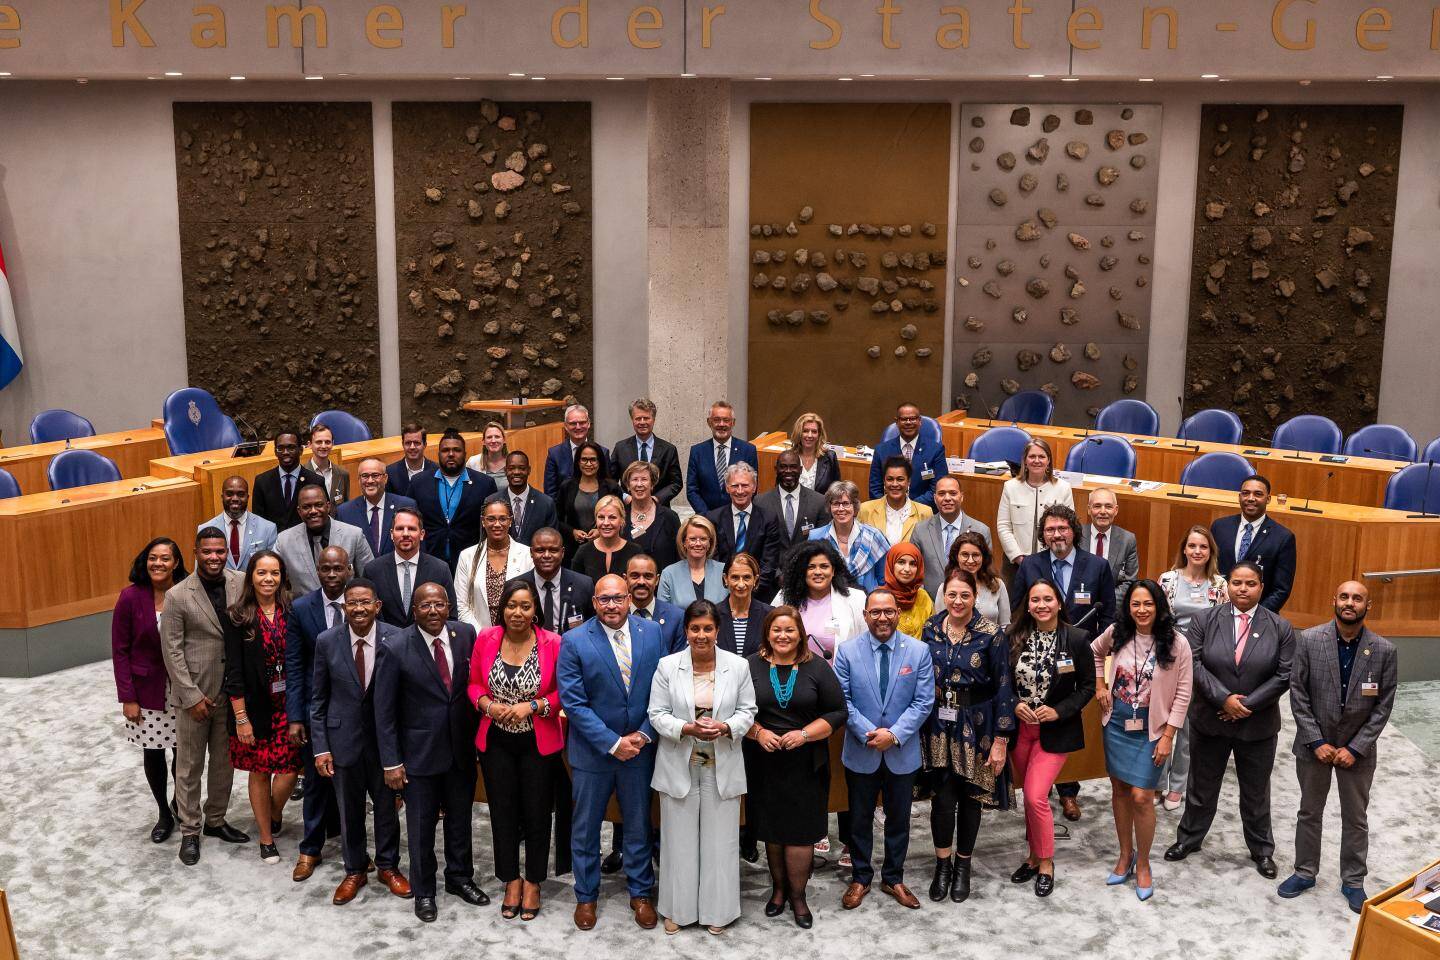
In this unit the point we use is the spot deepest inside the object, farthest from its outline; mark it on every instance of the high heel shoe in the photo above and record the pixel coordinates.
(1115, 879)
(804, 920)
(773, 909)
(1144, 893)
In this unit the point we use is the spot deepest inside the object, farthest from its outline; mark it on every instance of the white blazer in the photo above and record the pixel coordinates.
(1019, 513)
(847, 613)
(672, 705)
(472, 603)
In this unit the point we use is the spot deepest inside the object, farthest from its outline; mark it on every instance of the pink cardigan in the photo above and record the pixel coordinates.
(549, 734)
(1169, 688)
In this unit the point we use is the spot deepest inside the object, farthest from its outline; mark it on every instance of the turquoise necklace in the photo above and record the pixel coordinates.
(783, 691)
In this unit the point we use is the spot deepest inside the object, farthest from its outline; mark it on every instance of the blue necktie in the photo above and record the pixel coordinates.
(884, 670)
(645, 452)
(1057, 569)
(1246, 536)
(740, 532)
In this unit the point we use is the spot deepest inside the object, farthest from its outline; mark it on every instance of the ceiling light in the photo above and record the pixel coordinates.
(517, 74)
(1384, 76)
(1144, 79)
(614, 78)
(762, 78)
(1304, 83)
(237, 77)
(460, 78)
(1209, 76)
(1036, 76)
(1069, 79)
(315, 77)
(4, 73)
(687, 75)
(844, 78)
(173, 73)
(82, 80)
(867, 76)
(537, 78)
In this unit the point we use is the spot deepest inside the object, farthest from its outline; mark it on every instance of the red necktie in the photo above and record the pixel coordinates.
(442, 663)
(1100, 544)
(360, 661)
(235, 541)
(1244, 635)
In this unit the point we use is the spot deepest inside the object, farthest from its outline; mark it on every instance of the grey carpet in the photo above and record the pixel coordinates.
(85, 882)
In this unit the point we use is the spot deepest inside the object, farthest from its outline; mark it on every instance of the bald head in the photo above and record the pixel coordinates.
(235, 496)
(371, 473)
(612, 600)
(1352, 605)
(333, 569)
(1103, 508)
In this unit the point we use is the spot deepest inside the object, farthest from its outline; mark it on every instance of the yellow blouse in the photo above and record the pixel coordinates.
(912, 621)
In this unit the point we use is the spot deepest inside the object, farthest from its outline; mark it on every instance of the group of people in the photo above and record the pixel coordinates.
(583, 643)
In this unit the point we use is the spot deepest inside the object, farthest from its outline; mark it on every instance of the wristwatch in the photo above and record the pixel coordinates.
(535, 707)
(804, 734)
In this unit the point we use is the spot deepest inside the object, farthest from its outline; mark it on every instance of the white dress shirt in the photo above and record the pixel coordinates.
(749, 513)
(1257, 523)
(895, 521)
(327, 474)
(610, 632)
(807, 477)
(1095, 534)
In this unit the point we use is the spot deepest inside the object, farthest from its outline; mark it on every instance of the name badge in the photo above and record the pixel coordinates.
(1369, 689)
(949, 714)
(277, 686)
(573, 621)
(1082, 596)
(1133, 725)
(805, 527)
(1065, 665)
(927, 474)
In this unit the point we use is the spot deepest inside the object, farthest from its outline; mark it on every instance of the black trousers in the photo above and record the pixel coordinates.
(352, 785)
(895, 791)
(519, 784)
(1069, 789)
(1254, 762)
(319, 809)
(424, 796)
(954, 803)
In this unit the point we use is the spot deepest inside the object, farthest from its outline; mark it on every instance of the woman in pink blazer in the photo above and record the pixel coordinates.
(512, 684)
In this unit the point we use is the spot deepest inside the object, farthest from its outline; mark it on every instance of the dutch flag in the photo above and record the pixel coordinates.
(10, 358)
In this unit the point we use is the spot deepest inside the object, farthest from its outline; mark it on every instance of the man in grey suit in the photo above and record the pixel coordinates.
(245, 532)
(799, 509)
(194, 649)
(1116, 544)
(1243, 654)
(1342, 688)
(936, 535)
(300, 545)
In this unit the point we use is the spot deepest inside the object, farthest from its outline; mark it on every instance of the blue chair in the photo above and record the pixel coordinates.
(1432, 451)
(1104, 455)
(1415, 488)
(51, 425)
(1129, 416)
(8, 487)
(1218, 471)
(1028, 406)
(1213, 426)
(1385, 440)
(1000, 443)
(348, 428)
(1310, 432)
(80, 468)
(929, 430)
(194, 423)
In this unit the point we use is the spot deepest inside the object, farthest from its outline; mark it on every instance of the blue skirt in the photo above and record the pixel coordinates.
(1130, 755)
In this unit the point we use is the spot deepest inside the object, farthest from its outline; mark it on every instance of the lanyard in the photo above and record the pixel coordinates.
(450, 495)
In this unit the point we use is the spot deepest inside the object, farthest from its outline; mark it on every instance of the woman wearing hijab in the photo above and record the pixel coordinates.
(905, 577)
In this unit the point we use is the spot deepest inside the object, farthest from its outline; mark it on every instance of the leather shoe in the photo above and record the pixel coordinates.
(902, 895)
(855, 895)
(190, 850)
(304, 868)
(396, 883)
(425, 909)
(1179, 851)
(468, 891)
(1265, 866)
(644, 912)
(585, 916)
(227, 833)
(1071, 808)
(162, 830)
(774, 907)
(1024, 873)
(1044, 884)
(612, 863)
(349, 888)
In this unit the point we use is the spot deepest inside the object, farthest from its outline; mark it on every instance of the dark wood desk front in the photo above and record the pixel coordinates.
(132, 451)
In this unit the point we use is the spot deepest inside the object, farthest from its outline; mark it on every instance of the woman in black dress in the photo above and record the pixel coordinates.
(787, 757)
(576, 501)
(651, 525)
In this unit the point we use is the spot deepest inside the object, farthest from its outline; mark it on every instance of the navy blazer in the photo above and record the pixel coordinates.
(703, 488)
(342, 715)
(304, 625)
(762, 541)
(267, 496)
(574, 605)
(397, 476)
(929, 456)
(755, 621)
(593, 694)
(560, 466)
(662, 454)
(1088, 570)
(447, 539)
(382, 572)
(671, 621)
(418, 722)
(356, 512)
(539, 512)
(1272, 547)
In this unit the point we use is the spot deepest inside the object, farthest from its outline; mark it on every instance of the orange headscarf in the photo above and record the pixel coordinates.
(904, 594)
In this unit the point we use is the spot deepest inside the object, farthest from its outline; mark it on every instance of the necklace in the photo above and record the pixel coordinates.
(783, 691)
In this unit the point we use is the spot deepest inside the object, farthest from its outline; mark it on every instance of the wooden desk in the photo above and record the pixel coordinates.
(514, 412)
(534, 442)
(210, 469)
(132, 451)
(1385, 931)
(9, 950)
(68, 553)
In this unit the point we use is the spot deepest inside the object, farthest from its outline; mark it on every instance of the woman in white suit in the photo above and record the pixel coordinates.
(702, 702)
(484, 569)
(1024, 498)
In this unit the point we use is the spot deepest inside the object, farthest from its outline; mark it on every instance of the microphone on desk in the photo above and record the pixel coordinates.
(1093, 424)
(247, 448)
(1184, 444)
(1307, 508)
(1424, 513)
(1181, 492)
(1087, 441)
(989, 420)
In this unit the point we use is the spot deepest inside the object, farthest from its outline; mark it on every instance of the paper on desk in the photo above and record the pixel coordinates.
(1143, 485)
(959, 464)
(1427, 880)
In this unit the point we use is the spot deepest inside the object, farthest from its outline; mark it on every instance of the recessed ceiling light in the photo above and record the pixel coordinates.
(762, 78)
(1304, 83)
(844, 78)
(173, 73)
(687, 74)
(537, 78)
(460, 78)
(315, 77)
(4, 73)
(1036, 76)
(82, 80)
(1384, 76)
(1144, 79)
(237, 77)
(517, 74)
(1209, 76)
(867, 76)
(1069, 79)
(614, 78)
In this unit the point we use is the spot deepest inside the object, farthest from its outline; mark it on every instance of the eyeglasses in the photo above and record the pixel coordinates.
(433, 605)
(611, 599)
(361, 604)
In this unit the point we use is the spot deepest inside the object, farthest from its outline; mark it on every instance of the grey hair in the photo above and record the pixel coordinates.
(843, 490)
(576, 406)
(741, 467)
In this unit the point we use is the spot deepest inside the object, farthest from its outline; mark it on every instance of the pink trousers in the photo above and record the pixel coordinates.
(1035, 773)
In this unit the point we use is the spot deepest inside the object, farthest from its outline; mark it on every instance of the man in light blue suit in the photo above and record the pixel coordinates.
(245, 533)
(374, 510)
(889, 686)
(925, 453)
(604, 674)
(705, 476)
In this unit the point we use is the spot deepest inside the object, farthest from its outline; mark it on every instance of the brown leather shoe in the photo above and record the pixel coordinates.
(644, 912)
(349, 888)
(396, 883)
(902, 895)
(304, 867)
(585, 916)
(1071, 806)
(855, 894)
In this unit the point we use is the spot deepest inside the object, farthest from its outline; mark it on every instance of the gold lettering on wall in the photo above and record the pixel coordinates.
(707, 17)
(208, 34)
(1172, 26)
(652, 21)
(1017, 30)
(827, 21)
(385, 18)
(581, 12)
(952, 36)
(448, 15)
(9, 21)
(124, 15)
(887, 9)
(1373, 20)
(1092, 20)
(1277, 28)
(296, 16)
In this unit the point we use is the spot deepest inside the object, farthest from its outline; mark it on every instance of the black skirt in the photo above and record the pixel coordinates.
(789, 793)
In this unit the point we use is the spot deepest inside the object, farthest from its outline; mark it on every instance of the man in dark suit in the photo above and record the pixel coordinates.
(276, 489)
(926, 456)
(342, 715)
(705, 477)
(529, 508)
(1253, 536)
(564, 595)
(560, 459)
(642, 576)
(398, 573)
(450, 500)
(400, 474)
(1243, 654)
(425, 726)
(742, 526)
(1104, 538)
(644, 445)
(1084, 579)
(375, 508)
(798, 509)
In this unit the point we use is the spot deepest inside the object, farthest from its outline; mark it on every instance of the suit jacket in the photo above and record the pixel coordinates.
(928, 458)
(418, 722)
(256, 534)
(754, 621)
(267, 496)
(671, 621)
(762, 541)
(665, 457)
(574, 604)
(339, 486)
(872, 512)
(703, 488)
(470, 583)
(569, 516)
(929, 536)
(827, 471)
(675, 583)
(560, 466)
(248, 677)
(599, 708)
(549, 731)
(397, 476)
(357, 513)
(137, 656)
(386, 576)
(1273, 547)
(1262, 675)
(672, 705)
(1355, 720)
(903, 710)
(810, 512)
(293, 545)
(1069, 693)
(341, 714)
(192, 639)
(1089, 571)
(1120, 553)
(447, 538)
(539, 512)
(304, 624)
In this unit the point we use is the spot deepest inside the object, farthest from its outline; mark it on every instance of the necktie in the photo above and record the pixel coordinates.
(622, 656)
(407, 584)
(1100, 544)
(884, 669)
(743, 525)
(289, 488)
(721, 462)
(1246, 536)
(949, 540)
(1057, 570)
(335, 615)
(548, 609)
(374, 532)
(645, 452)
(519, 512)
(235, 541)
(360, 661)
(790, 512)
(442, 663)
(642, 613)
(909, 450)
(1244, 632)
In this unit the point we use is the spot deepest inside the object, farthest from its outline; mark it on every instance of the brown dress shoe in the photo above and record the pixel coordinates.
(1071, 806)
(396, 883)
(902, 895)
(304, 867)
(348, 888)
(585, 916)
(644, 912)
(854, 895)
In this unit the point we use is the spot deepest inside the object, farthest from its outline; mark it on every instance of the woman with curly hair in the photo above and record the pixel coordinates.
(816, 582)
